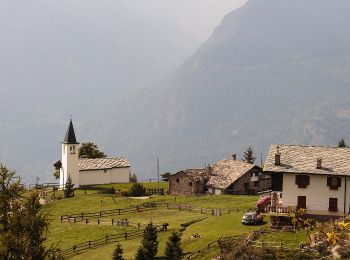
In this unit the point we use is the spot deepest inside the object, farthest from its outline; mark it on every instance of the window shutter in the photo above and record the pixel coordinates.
(339, 182)
(329, 181)
(297, 179)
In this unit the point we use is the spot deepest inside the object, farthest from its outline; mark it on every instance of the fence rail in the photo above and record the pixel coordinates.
(83, 216)
(122, 236)
(210, 247)
(145, 207)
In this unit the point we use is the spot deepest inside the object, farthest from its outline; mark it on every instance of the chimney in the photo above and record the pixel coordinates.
(234, 157)
(319, 163)
(278, 157)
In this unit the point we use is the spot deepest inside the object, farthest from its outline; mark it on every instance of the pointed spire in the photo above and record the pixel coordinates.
(70, 135)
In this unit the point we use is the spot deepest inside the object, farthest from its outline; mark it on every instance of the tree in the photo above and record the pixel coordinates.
(91, 151)
(23, 227)
(118, 253)
(173, 249)
(69, 188)
(342, 143)
(137, 189)
(133, 178)
(165, 176)
(56, 174)
(149, 244)
(249, 155)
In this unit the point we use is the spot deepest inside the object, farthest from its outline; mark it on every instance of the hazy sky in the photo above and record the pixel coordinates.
(200, 17)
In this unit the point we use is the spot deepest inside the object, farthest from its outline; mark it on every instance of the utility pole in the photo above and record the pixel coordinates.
(158, 174)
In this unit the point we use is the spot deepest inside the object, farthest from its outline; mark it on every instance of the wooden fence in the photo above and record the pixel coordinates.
(108, 213)
(209, 248)
(122, 236)
(149, 206)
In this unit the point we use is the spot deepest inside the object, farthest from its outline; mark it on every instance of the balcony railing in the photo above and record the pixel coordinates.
(279, 210)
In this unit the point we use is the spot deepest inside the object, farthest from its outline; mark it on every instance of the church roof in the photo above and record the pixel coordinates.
(102, 163)
(70, 135)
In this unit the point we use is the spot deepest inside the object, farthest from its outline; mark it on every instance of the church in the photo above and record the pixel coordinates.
(89, 171)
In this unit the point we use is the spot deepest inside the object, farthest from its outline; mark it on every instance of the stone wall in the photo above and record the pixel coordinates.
(181, 184)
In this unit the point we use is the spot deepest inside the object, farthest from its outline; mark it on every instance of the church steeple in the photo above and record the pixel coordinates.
(70, 135)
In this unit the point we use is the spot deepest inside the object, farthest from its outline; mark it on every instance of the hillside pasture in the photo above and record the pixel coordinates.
(210, 228)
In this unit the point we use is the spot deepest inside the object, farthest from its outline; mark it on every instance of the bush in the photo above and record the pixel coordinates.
(137, 190)
(263, 203)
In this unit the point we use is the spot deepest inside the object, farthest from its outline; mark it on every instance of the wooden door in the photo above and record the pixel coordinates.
(333, 204)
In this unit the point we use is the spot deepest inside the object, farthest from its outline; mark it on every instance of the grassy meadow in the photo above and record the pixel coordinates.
(209, 228)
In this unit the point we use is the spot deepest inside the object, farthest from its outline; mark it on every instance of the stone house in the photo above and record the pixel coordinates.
(189, 182)
(237, 177)
(314, 178)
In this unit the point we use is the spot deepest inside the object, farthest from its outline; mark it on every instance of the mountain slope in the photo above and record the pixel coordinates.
(273, 71)
(74, 57)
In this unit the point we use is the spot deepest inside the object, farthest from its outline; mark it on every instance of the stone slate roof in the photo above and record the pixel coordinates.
(226, 172)
(196, 174)
(303, 159)
(102, 163)
(70, 135)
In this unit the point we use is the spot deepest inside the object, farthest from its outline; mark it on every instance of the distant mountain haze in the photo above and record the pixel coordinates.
(272, 72)
(76, 57)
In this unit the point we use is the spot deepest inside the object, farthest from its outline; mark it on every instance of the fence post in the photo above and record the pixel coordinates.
(86, 221)
(61, 218)
(89, 244)
(112, 221)
(119, 211)
(74, 220)
(98, 221)
(138, 225)
(82, 215)
(126, 236)
(201, 211)
(212, 212)
(100, 214)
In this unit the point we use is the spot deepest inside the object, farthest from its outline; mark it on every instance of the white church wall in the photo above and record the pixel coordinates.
(120, 175)
(115, 175)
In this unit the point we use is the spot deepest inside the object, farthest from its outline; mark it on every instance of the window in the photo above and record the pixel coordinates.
(256, 184)
(333, 204)
(105, 170)
(190, 183)
(333, 182)
(301, 202)
(302, 181)
(72, 149)
(177, 180)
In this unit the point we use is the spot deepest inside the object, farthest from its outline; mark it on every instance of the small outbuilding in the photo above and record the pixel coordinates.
(189, 182)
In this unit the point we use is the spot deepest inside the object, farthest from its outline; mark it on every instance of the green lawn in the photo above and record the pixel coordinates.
(210, 228)
(289, 239)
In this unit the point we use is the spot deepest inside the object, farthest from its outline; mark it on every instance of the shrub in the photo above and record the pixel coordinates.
(137, 190)
(263, 203)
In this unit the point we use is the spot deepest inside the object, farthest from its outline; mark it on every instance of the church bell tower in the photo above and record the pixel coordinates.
(70, 159)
